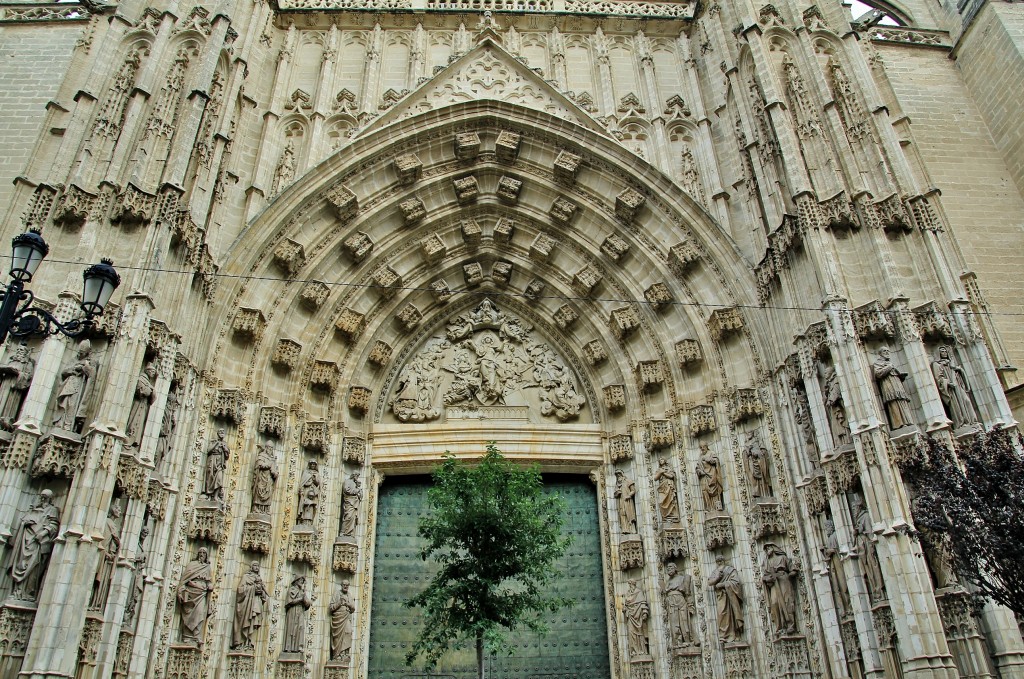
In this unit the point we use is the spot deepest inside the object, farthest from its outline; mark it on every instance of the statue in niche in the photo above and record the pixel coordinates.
(309, 495)
(144, 394)
(625, 493)
(216, 461)
(937, 553)
(833, 558)
(668, 498)
(194, 597)
(341, 610)
(725, 580)
(894, 393)
(264, 475)
(779, 573)
(637, 612)
(485, 358)
(15, 378)
(836, 410)
(31, 546)
(75, 389)
(757, 463)
(709, 473)
(954, 389)
(866, 550)
(131, 607)
(678, 593)
(250, 606)
(111, 546)
(296, 604)
(167, 426)
(352, 494)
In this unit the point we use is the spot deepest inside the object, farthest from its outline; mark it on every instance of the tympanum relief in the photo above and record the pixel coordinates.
(487, 358)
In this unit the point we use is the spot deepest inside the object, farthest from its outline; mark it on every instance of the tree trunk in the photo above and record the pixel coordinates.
(480, 655)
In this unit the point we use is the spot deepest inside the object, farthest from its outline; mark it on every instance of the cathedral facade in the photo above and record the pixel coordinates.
(718, 268)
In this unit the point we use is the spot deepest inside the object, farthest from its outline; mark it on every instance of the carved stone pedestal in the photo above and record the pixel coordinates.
(738, 662)
(241, 665)
(718, 531)
(686, 663)
(303, 545)
(207, 521)
(791, 652)
(336, 669)
(256, 533)
(641, 667)
(767, 518)
(631, 553)
(15, 626)
(123, 660)
(672, 542)
(289, 666)
(89, 642)
(58, 454)
(183, 662)
(345, 554)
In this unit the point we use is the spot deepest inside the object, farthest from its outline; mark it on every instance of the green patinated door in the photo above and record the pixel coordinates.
(575, 648)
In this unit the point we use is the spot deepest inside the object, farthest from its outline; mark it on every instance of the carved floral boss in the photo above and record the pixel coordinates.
(485, 358)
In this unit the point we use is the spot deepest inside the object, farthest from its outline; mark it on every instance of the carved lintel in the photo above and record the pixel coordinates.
(620, 447)
(344, 202)
(271, 421)
(353, 449)
(688, 352)
(316, 436)
(672, 543)
(249, 323)
(718, 532)
(624, 321)
(256, 533)
(627, 204)
(325, 376)
(595, 352)
(660, 434)
(58, 455)
(650, 375)
(615, 397)
(631, 553)
(207, 522)
(566, 167)
(467, 189)
(286, 353)
(358, 246)
(359, 399)
(380, 353)
(345, 555)
(304, 545)
(506, 147)
(702, 420)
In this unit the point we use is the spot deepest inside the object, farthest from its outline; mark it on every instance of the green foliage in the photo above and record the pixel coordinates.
(496, 538)
(971, 506)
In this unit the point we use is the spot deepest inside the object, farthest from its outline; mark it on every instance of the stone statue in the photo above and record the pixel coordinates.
(709, 472)
(138, 579)
(837, 419)
(111, 547)
(309, 495)
(264, 474)
(351, 493)
(937, 554)
(678, 593)
(866, 550)
(167, 426)
(295, 606)
(15, 378)
(668, 498)
(637, 612)
(144, 394)
(757, 463)
(341, 610)
(833, 558)
(75, 389)
(779, 572)
(216, 461)
(31, 546)
(954, 390)
(625, 492)
(894, 394)
(250, 607)
(725, 580)
(194, 597)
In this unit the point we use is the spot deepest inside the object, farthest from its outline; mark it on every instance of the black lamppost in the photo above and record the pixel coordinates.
(29, 249)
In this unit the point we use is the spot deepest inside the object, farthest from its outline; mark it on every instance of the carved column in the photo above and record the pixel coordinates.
(322, 103)
(76, 552)
(604, 71)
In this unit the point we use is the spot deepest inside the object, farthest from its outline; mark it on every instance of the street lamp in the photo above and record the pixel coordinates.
(29, 249)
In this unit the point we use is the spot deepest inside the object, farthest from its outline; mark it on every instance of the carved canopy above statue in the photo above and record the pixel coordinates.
(487, 361)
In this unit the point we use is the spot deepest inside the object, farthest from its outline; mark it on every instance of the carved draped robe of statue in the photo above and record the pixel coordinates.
(779, 571)
(15, 378)
(295, 606)
(668, 499)
(894, 394)
(216, 461)
(836, 409)
(835, 566)
(625, 492)
(194, 597)
(75, 389)
(710, 474)
(760, 476)
(351, 493)
(678, 594)
(167, 426)
(725, 580)
(309, 494)
(866, 550)
(954, 389)
(341, 610)
(139, 413)
(250, 606)
(111, 547)
(264, 474)
(637, 612)
(32, 543)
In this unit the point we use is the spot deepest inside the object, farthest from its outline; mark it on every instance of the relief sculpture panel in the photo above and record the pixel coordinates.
(486, 358)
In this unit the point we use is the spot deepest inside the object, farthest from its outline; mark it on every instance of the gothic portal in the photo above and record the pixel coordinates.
(717, 267)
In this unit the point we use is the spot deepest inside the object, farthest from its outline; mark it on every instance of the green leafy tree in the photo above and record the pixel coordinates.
(496, 538)
(969, 510)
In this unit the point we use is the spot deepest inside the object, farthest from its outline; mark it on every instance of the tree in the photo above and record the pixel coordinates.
(496, 537)
(969, 511)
